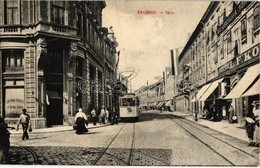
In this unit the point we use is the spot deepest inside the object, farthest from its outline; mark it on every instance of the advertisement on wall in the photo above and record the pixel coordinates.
(14, 101)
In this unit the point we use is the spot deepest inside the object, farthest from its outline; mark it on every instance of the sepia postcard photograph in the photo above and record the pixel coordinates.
(129, 83)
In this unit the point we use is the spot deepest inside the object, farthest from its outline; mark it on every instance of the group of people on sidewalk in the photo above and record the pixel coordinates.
(251, 119)
(217, 113)
(105, 116)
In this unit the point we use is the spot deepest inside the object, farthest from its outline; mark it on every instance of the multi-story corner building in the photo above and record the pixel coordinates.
(220, 63)
(55, 57)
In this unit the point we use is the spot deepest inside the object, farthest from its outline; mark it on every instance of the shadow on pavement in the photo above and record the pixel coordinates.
(37, 138)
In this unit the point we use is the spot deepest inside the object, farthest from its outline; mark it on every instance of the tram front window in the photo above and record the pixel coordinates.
(128, 102)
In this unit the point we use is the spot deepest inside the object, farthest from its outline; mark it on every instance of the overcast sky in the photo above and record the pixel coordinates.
(145, 40)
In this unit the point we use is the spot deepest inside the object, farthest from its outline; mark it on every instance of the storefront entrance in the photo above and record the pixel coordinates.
(54, 85)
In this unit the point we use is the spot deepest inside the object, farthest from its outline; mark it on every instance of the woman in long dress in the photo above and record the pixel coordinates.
(81, 122)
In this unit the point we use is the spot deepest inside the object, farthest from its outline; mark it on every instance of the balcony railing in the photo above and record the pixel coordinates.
(42, 27)
(10, 29)
(56, 29)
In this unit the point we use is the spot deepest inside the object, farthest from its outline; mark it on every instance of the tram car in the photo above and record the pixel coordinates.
(129, 107)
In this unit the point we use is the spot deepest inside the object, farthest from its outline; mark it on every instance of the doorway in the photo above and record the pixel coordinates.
(53, 73)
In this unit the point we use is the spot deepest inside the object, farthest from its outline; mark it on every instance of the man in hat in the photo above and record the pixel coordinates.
(26, 123)
(256, 112)
(103, 115)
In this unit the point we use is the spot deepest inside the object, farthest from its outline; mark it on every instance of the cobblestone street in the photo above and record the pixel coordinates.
(157, 139)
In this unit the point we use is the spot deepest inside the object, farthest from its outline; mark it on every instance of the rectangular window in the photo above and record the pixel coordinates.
(11, 12)
(243, 31)
(79, 67)
(57, 12)
(220, 19)
(256, 20)
(215, 54)
(220, 50)
(79, 24)
(229, 42)
(236, 48)
(13, 60)
(207, 37)
(236, 43)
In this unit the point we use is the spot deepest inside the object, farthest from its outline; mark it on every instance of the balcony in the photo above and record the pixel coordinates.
(56, 29)
(39, 28)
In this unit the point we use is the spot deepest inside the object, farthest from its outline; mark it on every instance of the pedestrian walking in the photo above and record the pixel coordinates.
(256, 112)
(250, 127)
(81, 122)
(231, 113)
(94, 115)
(114, 117)
(107, 115)
(213, 112)
(224, 112)
(26, 124)
(205, 112)
(103, 115)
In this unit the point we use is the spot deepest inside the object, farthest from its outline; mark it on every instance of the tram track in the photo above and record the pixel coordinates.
(197, 125)
(191, 129)
(130, 159)
(103, 152)
(31, 151)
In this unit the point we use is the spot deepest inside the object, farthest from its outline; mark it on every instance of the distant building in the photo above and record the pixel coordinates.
(152, 96)
(55, 57)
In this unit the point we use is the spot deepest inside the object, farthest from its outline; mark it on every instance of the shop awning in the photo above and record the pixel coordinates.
(244, 83)
(53, 95)
(168, 103)
(254, 90)
(201, 92)
(160, 104)
(210, 90)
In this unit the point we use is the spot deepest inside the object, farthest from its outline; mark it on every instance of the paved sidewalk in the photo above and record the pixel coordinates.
(56, 128)
(235, 130)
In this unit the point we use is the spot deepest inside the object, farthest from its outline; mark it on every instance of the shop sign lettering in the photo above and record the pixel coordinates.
(14, 104)
(224, 67)
(249, 54)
